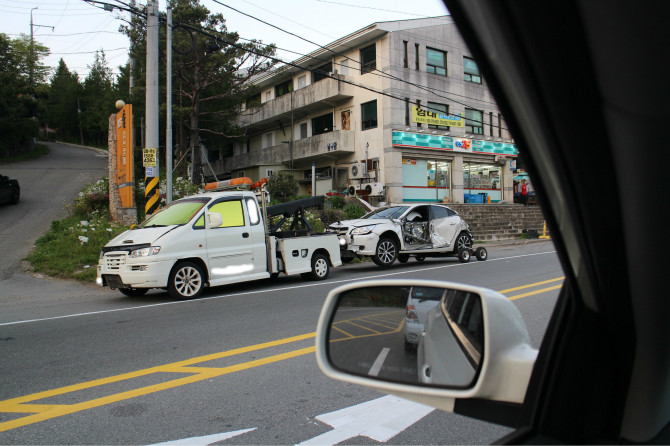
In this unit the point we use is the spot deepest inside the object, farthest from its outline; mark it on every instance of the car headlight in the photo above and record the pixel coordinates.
(144, 252)
(363, 230)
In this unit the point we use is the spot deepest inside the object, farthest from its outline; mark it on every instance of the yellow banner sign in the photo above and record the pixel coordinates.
(434, 118)
(149, 156)
(124, 155)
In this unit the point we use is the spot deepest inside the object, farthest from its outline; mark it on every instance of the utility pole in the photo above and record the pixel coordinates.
(168, 88)
(152, 163)
(31, 60)
(131, 67)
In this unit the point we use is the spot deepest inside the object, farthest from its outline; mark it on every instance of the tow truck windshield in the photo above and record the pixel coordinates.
(178, 213)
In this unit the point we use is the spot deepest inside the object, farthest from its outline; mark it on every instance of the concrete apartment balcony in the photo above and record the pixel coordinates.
(313, 98)
(333, 145)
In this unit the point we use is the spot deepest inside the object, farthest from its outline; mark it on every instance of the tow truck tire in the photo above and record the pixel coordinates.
(386, 252)
(420, 258)
(481, 254)
(320, 268)
(133, 292)
(186, 281)
(464, 255)
(403, 258)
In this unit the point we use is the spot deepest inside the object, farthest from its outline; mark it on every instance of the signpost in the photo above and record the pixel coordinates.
(124, 155)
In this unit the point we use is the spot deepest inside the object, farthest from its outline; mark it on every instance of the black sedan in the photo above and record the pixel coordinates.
(9, 190)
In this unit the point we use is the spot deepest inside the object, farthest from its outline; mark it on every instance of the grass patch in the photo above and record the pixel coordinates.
(71, 248)
(38, 151)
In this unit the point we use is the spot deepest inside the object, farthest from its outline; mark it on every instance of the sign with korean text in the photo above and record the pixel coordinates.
(149, 157)
(434, 118)
(124, 155)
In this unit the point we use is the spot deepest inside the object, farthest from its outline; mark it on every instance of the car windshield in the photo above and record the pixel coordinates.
(178, 213)
(392, 211)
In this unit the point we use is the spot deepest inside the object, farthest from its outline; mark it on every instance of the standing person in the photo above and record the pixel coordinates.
(524, 192)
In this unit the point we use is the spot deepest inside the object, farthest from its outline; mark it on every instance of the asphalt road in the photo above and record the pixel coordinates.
(102, 368)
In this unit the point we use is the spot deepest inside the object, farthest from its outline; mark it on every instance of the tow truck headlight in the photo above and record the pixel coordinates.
(363, 231)
(144, 252)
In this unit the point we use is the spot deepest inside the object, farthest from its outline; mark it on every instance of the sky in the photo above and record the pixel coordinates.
(74, 30)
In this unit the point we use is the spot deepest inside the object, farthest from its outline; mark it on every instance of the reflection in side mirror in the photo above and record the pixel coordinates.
(409, 335)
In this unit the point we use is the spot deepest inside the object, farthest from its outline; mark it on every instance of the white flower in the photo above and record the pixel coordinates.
(83, 239)
(109, 230)
(83, 223)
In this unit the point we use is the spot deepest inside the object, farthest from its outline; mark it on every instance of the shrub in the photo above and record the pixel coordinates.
(336, 202)
(353, 211)
(282, 187)
(92, 198)
(331, 216)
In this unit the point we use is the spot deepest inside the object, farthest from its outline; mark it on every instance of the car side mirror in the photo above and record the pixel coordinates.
(429, 341)
(214, 219)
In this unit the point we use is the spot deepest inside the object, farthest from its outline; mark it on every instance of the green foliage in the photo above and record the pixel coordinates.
(98, 98)
(282, 187)
(336, 202)
(38, 151)
(353, 211)
(332, 215)
(72, 246)
(61, 108)
(313, 218)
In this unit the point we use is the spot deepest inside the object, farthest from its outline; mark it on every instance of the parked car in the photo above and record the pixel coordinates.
(419, 302)
(586, 124)
(10, 191)
(404, 231)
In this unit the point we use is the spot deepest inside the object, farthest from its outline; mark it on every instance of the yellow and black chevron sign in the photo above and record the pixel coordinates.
(152, 194)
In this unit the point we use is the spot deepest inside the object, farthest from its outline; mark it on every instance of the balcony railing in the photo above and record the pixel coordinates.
(337, 144)
(302, 100)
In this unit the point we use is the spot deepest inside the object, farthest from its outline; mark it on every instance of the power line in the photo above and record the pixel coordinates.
(370, 7)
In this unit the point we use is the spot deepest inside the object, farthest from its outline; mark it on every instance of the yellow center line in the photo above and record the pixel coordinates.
(42, 412)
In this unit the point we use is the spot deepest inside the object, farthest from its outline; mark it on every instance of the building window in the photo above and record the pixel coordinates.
(369, 115)
(418, 104)
(268, 140)
(254, 101)
(346, 120)
(438, 108)
(368, 59)
(322, 72)
(269, 172)
(490, 123)
(322, 124)
(499, 125)
(303, 130)
(436, 61)
(405, 58)
(471, 71)
(474, 121)
(416, 57)
(407, 111)
(284, 88)
(302, 81)
(344, 67)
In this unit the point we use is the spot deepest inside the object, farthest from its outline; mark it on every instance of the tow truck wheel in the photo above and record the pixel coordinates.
(386, 252)
(186, 281)
(403, 258)
(320, 268)
(134, 292)
(420, 258)
(481, 254)
(464, 255)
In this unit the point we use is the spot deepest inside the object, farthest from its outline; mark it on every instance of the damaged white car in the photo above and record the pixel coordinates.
(404, 231)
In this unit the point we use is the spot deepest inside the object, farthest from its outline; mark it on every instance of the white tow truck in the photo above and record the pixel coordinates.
(216, 238)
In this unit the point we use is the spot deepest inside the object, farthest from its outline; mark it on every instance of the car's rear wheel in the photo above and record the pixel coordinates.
(320, 268)
(134, 292)
(186, 281)
(15, 196)
(386, 252)
(464, 241)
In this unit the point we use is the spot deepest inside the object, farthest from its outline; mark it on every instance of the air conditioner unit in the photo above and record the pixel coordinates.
(373, 188)
(357, 170)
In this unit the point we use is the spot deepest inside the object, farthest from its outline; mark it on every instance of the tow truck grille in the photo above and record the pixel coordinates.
(115, 261)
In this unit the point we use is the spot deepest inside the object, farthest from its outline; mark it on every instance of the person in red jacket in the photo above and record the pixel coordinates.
(524, 192)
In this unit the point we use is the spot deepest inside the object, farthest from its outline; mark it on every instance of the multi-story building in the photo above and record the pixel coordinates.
(397, 108)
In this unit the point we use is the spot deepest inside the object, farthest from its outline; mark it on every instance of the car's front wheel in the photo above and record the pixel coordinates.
(186, 281)
(386, 252)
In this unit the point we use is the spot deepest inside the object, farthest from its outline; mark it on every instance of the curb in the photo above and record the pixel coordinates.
(95, 149)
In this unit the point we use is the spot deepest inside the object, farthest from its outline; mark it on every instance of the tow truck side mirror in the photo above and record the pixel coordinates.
(472, 343)
(214, 219)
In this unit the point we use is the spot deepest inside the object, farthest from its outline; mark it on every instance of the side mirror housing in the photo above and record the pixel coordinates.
(214, 219)
(429, 341)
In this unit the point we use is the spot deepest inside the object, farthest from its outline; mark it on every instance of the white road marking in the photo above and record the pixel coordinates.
(207, 439)
(379, 362)
(272, 290)
(380, 420)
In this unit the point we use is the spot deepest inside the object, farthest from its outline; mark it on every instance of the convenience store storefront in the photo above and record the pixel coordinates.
(442, 168)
